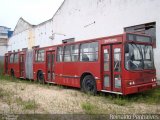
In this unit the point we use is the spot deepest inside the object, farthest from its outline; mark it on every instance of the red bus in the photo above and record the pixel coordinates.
(120, 64)
(19, 64)
(12, 64)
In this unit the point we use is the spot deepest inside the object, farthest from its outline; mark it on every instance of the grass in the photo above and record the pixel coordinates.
(27, 105)
(150, 96)
(4, 94)
(88, 108)
(7, 96)
(120, 101)
(103, 103)
(147, 97)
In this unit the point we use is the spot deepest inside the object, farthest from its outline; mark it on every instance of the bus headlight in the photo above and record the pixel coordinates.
(154, 80)
(131, 83)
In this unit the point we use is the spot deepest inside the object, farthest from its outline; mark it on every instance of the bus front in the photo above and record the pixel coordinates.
(139, 70)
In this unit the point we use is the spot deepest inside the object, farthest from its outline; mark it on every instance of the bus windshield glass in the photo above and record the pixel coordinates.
(138, 57)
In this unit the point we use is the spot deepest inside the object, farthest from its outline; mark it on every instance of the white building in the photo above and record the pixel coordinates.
(4, 34)
(86, 19)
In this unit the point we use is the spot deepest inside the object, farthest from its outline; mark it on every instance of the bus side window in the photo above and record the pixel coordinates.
(67, 53)
(16, 58)
(11, 58)
(74, 52)
(39, 56)
(89, 51)
(71, 53)
(59, 54)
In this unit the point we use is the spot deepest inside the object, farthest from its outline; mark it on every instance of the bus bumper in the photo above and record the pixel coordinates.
(140, 88)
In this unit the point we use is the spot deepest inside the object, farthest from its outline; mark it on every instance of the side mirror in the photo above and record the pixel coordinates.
(126, 48)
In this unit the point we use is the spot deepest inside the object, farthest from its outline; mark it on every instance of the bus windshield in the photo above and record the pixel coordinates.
(138, 57)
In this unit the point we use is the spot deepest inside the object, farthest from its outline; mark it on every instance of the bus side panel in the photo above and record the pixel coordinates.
(94, 69)
(15, 68)
(70, 74)
(39, 66)
(59, 73)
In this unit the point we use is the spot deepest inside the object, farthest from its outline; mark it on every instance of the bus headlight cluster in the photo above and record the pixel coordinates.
(154, 79)
(131, 83)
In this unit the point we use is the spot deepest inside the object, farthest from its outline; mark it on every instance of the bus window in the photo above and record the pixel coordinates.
(67, 53)
(40, 56)
(71, 53)
(89, 52)
(74, 52)
(16, 58)
(11, 58)
(117, 79)
(106, 60)
(117, 59)
(59, 54)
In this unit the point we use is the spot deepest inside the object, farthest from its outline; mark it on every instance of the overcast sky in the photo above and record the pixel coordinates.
(33, 11)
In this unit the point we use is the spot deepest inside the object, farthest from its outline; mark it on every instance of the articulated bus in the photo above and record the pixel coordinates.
(121, 64)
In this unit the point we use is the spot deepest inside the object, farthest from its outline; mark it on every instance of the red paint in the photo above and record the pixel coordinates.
(18, 67)
(70, 73)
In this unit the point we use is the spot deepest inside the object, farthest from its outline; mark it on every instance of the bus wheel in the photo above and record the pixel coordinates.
(89, 85)
(40, 77)
(12, 73)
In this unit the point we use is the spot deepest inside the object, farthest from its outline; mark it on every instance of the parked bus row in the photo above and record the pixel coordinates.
(121, 64)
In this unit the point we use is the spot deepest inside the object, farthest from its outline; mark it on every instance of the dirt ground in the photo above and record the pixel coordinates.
(28, 97)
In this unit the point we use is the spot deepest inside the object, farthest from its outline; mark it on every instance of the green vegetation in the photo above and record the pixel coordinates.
(8, 97)
(5, 94)
(120, 101)
(148, 97)
(27, 105)
(88, 108)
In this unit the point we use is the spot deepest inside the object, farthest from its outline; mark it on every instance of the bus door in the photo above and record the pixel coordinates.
(111, 60)
(6, 64)
(22, 65)
(50, 66)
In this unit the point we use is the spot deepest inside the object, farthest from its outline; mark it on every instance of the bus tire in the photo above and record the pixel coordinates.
(89, 85)
(12, 73)
(40, 77)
